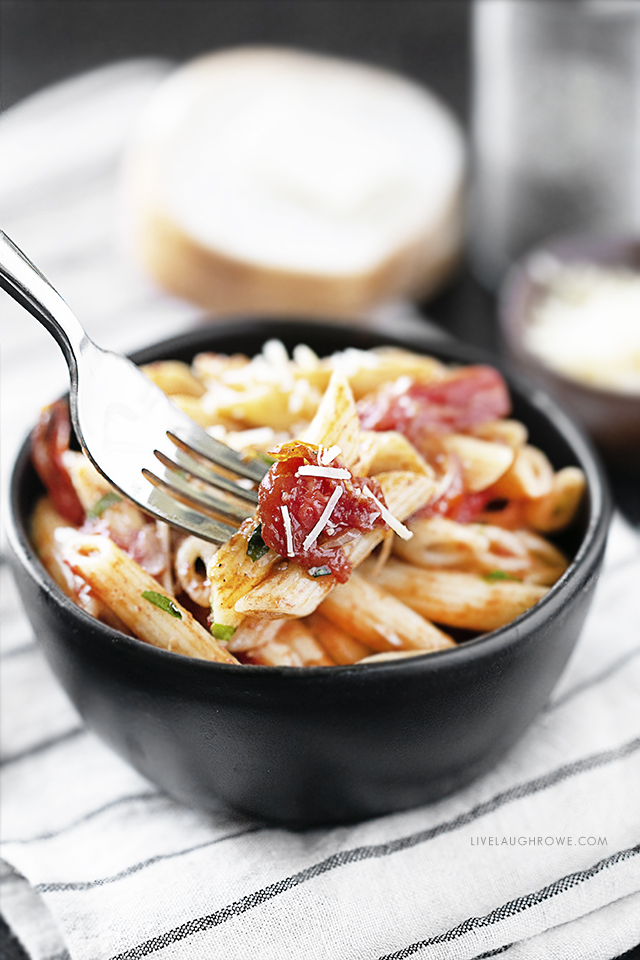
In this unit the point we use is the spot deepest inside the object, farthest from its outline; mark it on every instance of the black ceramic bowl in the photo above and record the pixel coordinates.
(323, 744)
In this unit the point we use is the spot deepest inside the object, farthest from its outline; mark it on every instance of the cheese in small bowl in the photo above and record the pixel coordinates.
(586, 324)
(570, 318)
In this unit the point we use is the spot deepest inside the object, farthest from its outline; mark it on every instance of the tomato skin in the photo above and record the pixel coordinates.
(472, 506)
(49, 440)
(306, 498)
(467, 397)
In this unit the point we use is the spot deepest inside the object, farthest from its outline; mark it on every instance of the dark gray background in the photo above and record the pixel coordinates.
(44, 40)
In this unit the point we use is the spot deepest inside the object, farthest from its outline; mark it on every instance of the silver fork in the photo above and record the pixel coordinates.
(142, 443)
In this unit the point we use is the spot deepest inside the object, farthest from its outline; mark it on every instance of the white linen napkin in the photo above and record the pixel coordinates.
(538, 859)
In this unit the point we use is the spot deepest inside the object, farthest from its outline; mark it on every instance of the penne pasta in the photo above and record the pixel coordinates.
(196, 410)
(529, 476)
(270, 405)
(380, 452)
(233, 574)
(174, 377)
(121, 584)
(253, 633)
(336, 421)
(380, 621)
(442, 485)
(293, 646)
(455, 599)
(511, 432)
(558, 507)
(44, 523)
(482, 462)
(481, 548)
(289, 591)
(366, 370)
(193, 559)
(88, 483)
(339, 645)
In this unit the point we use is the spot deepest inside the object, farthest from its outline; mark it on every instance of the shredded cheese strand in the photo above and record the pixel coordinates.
(331, 473)
(286, 519)
(388, 517)
(311, 537)
(326, 456)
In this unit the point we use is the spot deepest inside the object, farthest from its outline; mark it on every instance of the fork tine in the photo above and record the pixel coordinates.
(184, 491)
(198, 441)
(192, 521)
(185, 462)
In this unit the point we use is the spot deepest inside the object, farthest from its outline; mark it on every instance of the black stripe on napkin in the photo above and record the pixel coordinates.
(375, 851)
(137, 867)
(12, 652)
(514, 907)
(493, 953)
(117, 802)
(42, 746)
(604, 674)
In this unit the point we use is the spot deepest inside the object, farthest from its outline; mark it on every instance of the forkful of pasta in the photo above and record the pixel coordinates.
(137, 438)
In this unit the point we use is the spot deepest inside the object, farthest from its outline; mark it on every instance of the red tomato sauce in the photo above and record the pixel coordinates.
(305, 498)
(49, 440)
(425, 411)
(467, 397)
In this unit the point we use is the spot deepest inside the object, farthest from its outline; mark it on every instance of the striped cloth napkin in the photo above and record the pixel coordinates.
(538, 859)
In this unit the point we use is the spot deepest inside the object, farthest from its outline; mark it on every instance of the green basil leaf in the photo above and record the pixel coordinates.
(500, 575)
(103, 504)
(266, 458)
(323, 571)
(256, 546)
(221, 631)
(164, 603)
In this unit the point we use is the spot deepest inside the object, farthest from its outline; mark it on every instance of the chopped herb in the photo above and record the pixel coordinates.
(319, 571)
(256, 547)
(221, 631)
(266, 458)
(103, 504)
(164, 603)
(500, 575)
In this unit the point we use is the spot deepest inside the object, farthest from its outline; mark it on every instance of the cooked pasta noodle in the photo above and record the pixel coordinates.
(402, 503)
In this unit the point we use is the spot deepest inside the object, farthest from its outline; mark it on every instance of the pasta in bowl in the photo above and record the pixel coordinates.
(408, 509)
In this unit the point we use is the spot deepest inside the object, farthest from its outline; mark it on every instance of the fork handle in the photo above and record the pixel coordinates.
(30, 288)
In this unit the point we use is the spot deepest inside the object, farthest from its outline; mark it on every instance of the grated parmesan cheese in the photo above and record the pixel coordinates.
(275, 353)
(351, 361)
(388, 517)
(305, 357)
(286, 519)
(300, 391)
(331, 473)
(311, 537)
(587, 325)
(326, 456)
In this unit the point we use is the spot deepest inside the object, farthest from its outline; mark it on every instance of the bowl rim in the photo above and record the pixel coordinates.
(460, 657)
(517, 288)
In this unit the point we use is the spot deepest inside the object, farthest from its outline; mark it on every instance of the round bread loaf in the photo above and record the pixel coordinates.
(274, 181)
